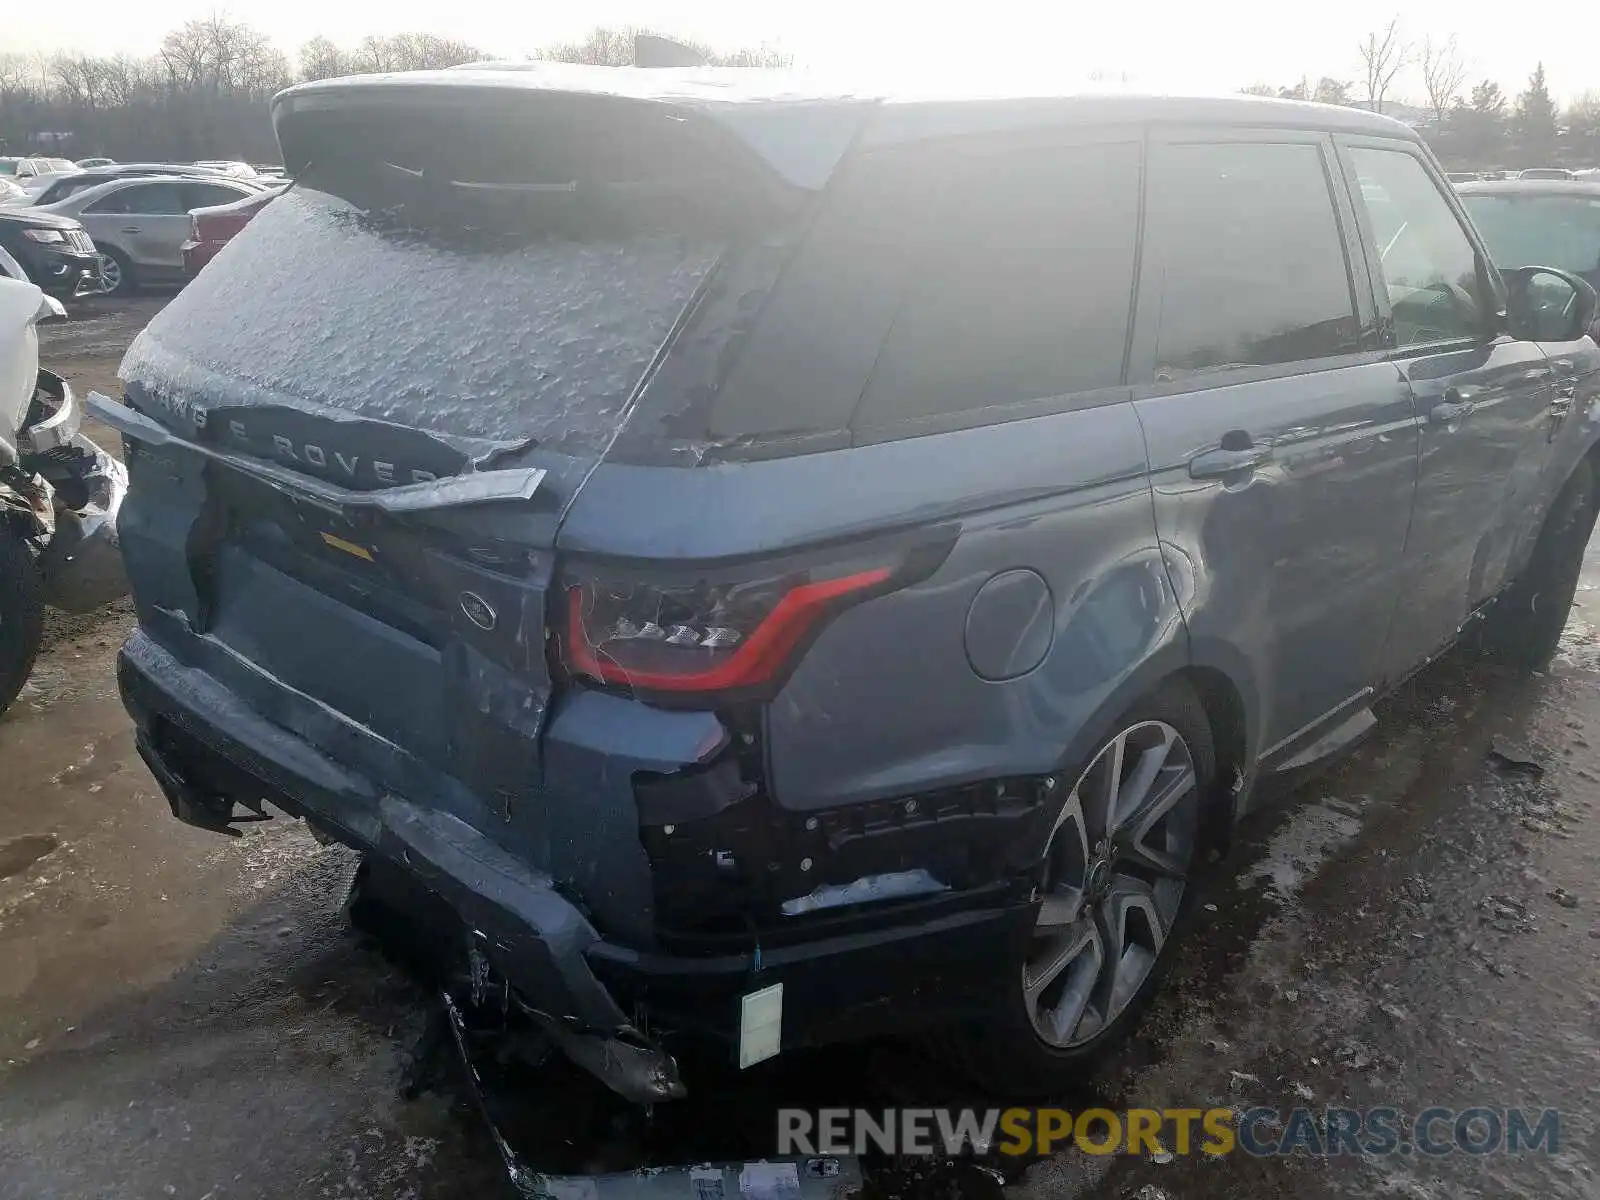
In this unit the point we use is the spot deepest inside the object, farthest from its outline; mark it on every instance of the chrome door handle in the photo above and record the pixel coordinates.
(1215, 463)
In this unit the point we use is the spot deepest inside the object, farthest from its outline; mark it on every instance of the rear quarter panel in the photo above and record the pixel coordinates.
(887, 700)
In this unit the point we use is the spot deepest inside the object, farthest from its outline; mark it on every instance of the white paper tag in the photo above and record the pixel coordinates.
(769, 1181)
(760, 1025)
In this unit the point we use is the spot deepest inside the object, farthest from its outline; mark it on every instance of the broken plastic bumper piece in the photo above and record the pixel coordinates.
(532, 936)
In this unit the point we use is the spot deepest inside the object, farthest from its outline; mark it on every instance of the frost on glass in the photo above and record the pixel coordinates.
(471, 336)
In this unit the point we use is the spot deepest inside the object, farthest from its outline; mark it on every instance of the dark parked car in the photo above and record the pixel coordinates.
(757, 573)
(56, 252)
(1553, 222)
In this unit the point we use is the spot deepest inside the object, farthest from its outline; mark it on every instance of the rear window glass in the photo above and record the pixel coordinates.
(497, 304)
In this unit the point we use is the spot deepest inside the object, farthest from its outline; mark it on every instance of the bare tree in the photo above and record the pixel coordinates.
(1442, 75)
(1383, 54)
(321, 59)
(615, 48)
(1331, 91)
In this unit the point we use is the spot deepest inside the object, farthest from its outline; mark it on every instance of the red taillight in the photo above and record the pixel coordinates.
(702, 637)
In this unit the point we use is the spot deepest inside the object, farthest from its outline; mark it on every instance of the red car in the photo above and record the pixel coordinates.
(210, 228)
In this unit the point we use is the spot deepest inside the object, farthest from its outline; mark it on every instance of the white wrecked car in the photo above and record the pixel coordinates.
(59, 492)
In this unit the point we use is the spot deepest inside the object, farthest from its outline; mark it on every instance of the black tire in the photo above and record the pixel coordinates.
(21, 615)
(1523, 627)
(1007, 1052)
(127, 278)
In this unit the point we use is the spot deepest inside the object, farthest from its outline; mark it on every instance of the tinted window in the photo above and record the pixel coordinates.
(1249, 265)
(1020, 277)
(65, 188)
(204, 195)
(1430, 269)
(1545, 231)
(150, 199)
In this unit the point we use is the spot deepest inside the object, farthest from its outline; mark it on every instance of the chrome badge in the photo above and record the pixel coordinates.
(478, 611)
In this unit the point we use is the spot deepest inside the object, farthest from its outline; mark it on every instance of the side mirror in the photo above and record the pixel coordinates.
(1547, 305)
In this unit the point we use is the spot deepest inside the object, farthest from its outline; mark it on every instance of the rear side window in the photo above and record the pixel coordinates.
(1019, 284)
(204, 195)
(150, 199)
(1250, 268)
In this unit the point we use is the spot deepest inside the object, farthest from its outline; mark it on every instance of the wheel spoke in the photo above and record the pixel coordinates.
(1147, 773)
(1160, 862)
(1067, 1014)
(1132, 930)
(1058, 910)
(1111, 763)
(1079, 956)
(1052, 957)
(1067, 851)
(1135, 841)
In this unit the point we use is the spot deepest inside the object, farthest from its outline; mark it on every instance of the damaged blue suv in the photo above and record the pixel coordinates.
(774, 567)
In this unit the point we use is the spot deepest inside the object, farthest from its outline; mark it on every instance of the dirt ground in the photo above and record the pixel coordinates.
(187, 1015)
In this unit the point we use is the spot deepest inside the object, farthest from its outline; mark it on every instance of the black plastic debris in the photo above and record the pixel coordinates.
(1508, 765)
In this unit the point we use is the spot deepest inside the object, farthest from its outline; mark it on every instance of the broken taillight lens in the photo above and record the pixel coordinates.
(734, 634)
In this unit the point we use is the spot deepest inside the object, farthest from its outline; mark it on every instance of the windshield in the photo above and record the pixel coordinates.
(1545, 231)
(8, 166)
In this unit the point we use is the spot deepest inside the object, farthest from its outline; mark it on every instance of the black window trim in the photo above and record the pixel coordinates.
(1343, 144)
(1065, 137)
(1142, 346)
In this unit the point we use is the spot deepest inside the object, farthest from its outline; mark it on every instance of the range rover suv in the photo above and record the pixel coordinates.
(774, 566)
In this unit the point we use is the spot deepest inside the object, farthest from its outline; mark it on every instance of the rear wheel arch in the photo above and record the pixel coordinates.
(1228, 713)
(1230, 733)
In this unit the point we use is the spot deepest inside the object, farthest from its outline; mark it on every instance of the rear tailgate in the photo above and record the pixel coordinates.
(463, 281)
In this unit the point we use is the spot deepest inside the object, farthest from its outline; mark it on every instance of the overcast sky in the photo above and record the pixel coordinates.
(1157, 43)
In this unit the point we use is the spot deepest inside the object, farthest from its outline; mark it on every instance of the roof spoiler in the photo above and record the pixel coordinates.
(798, 137)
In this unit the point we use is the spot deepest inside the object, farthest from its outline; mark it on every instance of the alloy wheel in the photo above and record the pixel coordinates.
(110, 274)
(1115, 870)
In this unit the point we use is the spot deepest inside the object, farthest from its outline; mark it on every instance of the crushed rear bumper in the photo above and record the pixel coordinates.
(919, 964)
